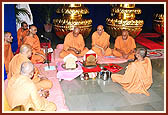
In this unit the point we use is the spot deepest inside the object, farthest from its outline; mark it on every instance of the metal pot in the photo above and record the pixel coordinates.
(105, 75)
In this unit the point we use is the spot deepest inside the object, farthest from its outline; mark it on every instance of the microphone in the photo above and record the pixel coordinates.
(45, 37)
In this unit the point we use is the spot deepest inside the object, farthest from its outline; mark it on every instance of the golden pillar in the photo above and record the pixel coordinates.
(123, 18)
(72, 17)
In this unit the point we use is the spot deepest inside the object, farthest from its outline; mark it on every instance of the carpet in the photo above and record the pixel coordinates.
(155, 54)
(56, 94)
(142, 39)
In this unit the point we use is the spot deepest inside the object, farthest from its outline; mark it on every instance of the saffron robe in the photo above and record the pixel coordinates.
(137, 77)
(8, 55)
(102, 41)
(35, 44)
(124, 45)
(75, 42)
(22, 91)
(21, 35)
(15, 66)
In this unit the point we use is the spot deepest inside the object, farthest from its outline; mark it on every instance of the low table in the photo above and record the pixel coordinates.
(68, 74)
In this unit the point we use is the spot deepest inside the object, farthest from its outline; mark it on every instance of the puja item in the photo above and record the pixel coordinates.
(113, 68)
(70, 61)
(90, 59)
(86, 76)
(105, 75)
(99, 75)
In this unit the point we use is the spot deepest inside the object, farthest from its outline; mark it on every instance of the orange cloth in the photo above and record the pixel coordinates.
(20, 35)
(22, 91)
(102, 41)
(14, 68)
(125, 45)
(75, 42)
(35, 44)
(8, 55)
(6, 105)
(137, 77)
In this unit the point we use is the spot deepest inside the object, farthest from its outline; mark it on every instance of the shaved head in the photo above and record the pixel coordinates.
(76, 31)
(100, 29)
(33, 29)
(27, 69)
(26, 49)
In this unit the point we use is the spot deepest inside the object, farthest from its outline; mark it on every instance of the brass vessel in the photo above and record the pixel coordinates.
(71, 17)
(123, 18)
(158, 23)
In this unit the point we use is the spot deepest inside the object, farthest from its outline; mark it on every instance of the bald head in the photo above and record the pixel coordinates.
(100, 29)
(124, 35)
(76, 31)
(26, 49)
(8, 37)
(27, 69)
(33, 29)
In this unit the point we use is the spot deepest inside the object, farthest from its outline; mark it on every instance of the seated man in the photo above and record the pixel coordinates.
(100, 42)
(22, 32)
(33, 40)
(15, 65)
(124, 46)
(22, 91)
(8, 54)
(138, 75)
(74, 44)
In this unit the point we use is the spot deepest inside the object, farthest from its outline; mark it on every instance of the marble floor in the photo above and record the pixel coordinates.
(106, 96)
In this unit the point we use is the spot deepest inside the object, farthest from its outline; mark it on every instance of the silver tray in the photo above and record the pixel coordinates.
(63, 66)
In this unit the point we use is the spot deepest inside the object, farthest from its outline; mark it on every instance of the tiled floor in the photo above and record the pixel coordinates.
(99, 95)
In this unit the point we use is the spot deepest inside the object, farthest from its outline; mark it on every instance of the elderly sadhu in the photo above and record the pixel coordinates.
(138, 75)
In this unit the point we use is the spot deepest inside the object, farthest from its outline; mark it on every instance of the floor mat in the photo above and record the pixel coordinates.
(56, 93)
(142, 39)
(155, 54)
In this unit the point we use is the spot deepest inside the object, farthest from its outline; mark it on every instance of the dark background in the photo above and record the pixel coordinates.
(98, 14)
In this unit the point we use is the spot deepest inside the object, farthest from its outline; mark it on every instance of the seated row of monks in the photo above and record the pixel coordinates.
(74, 43)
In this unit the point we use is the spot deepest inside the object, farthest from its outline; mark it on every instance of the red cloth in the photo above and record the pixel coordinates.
(113, 68)
(49, 46)
(96, 69)
(45, 44)
(17, 51)
(142, 39)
